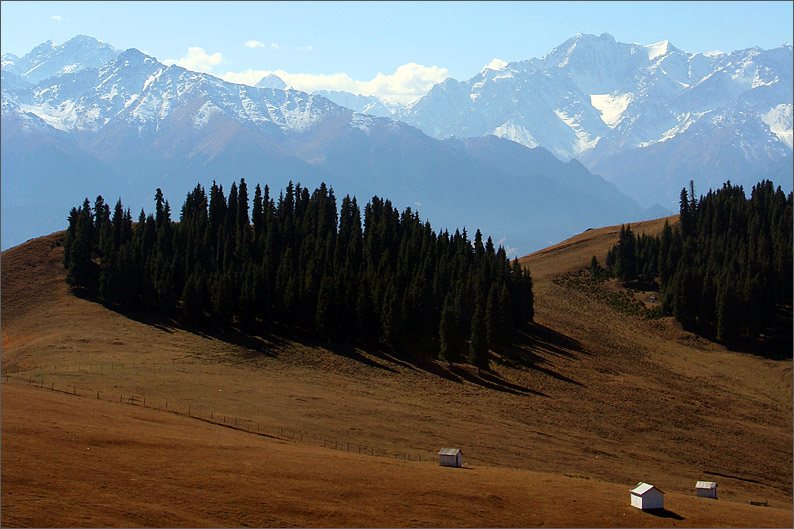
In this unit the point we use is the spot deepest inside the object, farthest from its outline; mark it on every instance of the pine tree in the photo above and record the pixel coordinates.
(478, 341)
(325, 315)
(449, 332)
(258, 214)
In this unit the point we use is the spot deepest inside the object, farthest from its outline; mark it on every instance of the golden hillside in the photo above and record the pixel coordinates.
(601, 401)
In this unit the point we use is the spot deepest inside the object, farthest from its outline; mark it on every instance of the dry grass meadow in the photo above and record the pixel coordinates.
(285, 432)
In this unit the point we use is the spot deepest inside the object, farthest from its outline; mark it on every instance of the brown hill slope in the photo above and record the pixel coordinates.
(600, 395)
(113, 465)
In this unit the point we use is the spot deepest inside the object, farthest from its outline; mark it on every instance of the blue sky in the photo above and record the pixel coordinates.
(382, 47)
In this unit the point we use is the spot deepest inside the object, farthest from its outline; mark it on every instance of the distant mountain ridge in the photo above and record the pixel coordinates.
(133, 124)
(48, 60)
(646, 117)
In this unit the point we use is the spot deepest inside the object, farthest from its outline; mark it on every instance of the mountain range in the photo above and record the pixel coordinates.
(507, 151)
(649, 118)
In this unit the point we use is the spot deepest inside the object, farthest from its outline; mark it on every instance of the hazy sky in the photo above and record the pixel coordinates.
(396, 49)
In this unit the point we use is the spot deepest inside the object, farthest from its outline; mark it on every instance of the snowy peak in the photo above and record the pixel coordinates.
(604, 102)
(495, 64)
(271, 81)
(136, 92)
(657, 49)
(49, 60)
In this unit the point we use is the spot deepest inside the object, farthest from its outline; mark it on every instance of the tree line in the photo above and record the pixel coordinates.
(299, 262)
(725, 268)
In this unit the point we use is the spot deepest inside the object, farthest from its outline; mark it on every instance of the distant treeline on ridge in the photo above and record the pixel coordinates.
(725, 268)
(297, 262)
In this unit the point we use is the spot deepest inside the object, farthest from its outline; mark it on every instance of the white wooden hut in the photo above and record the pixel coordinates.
(706, 489)
(450, 457)
(645, 496)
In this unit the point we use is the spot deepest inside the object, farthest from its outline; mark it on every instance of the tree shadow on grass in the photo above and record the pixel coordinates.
(548, 340)
(491, 380)
(260, 340)
(347, 350)
(533, 347)
(260, 344)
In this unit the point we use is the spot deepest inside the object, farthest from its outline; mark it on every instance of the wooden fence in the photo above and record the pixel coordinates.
(212, 417)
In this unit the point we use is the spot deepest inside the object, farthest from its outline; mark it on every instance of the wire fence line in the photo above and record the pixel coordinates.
(204, 414)
(90, 367)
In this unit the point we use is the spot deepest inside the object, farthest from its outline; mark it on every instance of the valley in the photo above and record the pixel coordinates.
(597, 401)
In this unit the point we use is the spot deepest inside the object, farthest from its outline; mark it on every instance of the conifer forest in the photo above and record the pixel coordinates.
(299, 262)
(725, 269)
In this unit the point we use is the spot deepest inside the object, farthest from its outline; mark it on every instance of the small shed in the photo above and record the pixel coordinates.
(450, 457)
(646, 497)
(706, 489)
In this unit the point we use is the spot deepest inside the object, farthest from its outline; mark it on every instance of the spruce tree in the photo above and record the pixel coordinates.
(449, 332)
(478, 341)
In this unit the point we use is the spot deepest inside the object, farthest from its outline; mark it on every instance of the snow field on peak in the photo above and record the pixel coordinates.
(516, 133)
(657, 49)
(204, 114)
(611, 106)
(779, 121)
(586, 142)
(684, 122)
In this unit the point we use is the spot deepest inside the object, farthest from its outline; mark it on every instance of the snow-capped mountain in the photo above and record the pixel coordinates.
(364, 104)
(647, 117)
(271, 81)
(133, 124)
(48, 60)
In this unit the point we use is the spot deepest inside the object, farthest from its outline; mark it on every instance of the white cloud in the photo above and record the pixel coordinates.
(509, 250)
(497, 64)
(249, 77)
(254, 44)
(305, 48)
(56, 18)
(197, 60)
(275, 46)
(410, 82)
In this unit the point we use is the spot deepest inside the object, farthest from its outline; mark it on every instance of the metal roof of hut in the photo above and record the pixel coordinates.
(642, 487)
(449, 451)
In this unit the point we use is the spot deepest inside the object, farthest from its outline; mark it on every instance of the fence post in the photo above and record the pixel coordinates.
(74, 390)
(188, 411)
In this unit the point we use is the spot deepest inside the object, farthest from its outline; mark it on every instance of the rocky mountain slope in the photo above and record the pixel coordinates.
(647, 117)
